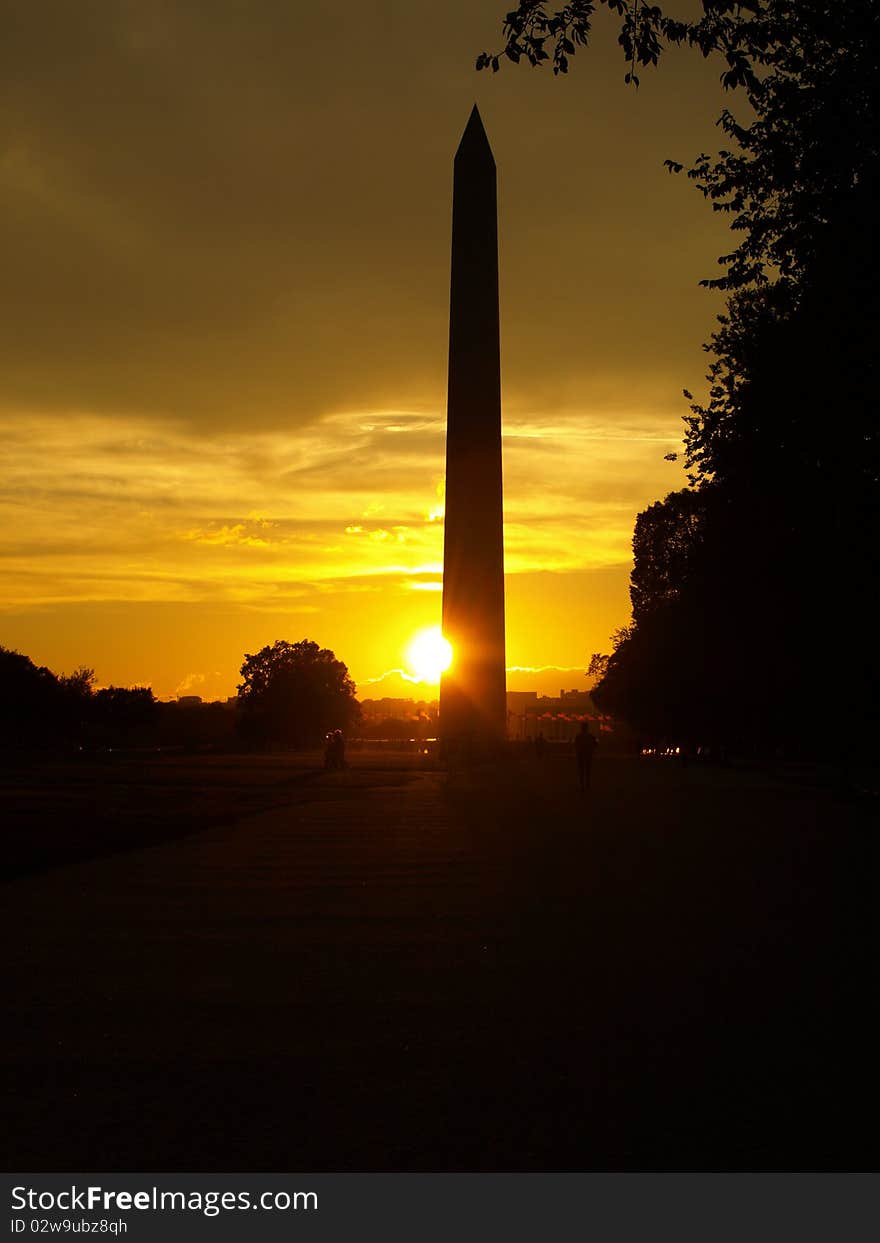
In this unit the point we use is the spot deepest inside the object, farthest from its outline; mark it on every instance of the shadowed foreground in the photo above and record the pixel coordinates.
(400, 971)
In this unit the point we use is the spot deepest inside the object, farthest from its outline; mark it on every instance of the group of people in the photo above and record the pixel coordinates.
(334, 751)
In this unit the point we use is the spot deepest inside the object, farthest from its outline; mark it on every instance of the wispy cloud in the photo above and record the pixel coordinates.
(544, 669)
(102, 509)
(391, 673)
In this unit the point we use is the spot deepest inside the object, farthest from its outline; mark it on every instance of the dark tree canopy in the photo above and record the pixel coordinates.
(746, 580)
(809, 136)
(40, 709)
(30, 696)
(124, 716)
(295, 693)
(666, 545)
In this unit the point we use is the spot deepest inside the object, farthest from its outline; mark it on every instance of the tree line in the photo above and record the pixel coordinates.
(752, 588)
(39, 708)
(291, 694)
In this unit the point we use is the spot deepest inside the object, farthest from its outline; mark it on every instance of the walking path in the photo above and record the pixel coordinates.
(477, 974)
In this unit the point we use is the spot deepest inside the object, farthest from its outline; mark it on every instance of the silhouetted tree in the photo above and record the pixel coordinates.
(598, 666)
(29, 702)
(75, 703)
(666, 546)
(124, 716)
(295, 693)
(809, 72)
(769, 558)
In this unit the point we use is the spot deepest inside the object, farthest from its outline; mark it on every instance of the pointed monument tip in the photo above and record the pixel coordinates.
(474, 141)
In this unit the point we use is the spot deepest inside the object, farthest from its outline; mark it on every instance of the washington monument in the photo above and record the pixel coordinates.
(473, 708)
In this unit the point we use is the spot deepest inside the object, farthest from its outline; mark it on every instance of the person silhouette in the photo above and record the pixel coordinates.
(334, 753)
(584, 747)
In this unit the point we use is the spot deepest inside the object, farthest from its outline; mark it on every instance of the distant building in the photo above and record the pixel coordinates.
(404, 709)
(522, 712)
(189, 701)
(398, 719)
(558, 719)
(521, 701)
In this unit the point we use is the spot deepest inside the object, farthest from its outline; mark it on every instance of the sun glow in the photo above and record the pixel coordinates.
(429, 655)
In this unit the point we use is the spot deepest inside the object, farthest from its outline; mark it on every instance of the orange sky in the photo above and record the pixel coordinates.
(225, 235)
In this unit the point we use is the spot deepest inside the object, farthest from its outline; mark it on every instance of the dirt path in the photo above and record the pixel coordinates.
(478, 974)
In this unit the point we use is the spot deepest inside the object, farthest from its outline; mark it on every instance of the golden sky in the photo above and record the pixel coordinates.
(225, 245)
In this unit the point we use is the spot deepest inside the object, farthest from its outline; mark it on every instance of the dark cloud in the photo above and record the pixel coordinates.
(238, 212)
(224, 237)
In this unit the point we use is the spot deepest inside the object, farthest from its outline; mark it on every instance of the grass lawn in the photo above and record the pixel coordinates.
(398, 969)
(55, 811)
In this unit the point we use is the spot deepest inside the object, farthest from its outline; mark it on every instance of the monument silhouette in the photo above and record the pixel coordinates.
(473, 709)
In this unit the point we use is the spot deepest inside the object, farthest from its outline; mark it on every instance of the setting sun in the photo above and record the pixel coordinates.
(429, 655)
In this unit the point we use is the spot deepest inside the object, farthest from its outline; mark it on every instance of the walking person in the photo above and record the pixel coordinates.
(584, 748)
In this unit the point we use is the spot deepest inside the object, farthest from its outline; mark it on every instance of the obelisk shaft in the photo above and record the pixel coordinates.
(472, 693)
